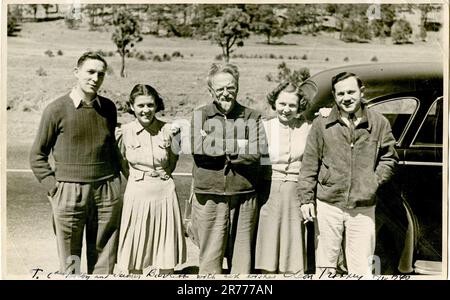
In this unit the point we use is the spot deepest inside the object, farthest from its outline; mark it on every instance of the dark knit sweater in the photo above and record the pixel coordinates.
(81, 139)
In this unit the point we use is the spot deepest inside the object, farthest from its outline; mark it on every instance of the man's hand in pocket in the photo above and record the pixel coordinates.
(49, 184)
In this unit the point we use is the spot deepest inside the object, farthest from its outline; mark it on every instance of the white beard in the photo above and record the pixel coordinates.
(226, 106)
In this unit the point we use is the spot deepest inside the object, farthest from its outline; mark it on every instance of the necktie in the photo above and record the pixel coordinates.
(351, 123)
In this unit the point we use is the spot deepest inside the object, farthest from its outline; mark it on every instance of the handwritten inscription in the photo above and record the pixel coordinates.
(40, 274)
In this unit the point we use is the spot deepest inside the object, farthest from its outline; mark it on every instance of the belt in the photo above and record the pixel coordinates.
(138, 175)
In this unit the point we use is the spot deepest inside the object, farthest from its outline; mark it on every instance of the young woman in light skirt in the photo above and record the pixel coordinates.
(151, 231)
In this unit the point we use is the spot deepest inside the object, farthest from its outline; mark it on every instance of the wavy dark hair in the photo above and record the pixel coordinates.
(144, 90)
(288, 87)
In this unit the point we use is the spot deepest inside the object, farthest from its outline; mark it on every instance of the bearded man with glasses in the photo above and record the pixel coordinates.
(227, 139)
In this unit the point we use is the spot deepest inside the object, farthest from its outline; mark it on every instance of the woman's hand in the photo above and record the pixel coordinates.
(174, 129)
(323, 112)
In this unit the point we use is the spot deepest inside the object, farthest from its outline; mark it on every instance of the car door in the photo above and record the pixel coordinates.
(394, 218)
(423, 168)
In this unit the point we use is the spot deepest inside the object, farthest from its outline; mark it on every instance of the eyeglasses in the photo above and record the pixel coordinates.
(230, 90)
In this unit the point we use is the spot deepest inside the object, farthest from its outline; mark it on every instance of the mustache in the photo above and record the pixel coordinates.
(217, 102)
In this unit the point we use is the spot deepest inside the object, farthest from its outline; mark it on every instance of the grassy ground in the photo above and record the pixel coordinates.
(181, 81)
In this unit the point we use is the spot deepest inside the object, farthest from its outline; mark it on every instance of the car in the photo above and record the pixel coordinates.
(409, 215)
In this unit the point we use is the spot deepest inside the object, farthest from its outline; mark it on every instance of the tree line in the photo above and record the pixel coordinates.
(228, 25)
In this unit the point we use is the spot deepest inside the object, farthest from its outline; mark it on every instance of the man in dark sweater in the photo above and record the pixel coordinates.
(84, 185)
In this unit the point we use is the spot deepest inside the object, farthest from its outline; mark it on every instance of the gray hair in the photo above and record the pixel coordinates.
(217, 68)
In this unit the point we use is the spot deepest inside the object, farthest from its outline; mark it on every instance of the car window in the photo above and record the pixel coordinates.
(398, 111)
(309, 90)
(431, 130)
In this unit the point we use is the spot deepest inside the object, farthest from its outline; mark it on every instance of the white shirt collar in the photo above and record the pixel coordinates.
(77, 98)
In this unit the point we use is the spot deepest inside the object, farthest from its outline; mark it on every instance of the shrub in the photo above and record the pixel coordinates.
(141, 56)
(295, 57)
(26, 106)
(374, 58)
(401, 32)
(157, 58)
(304, 73)
(121, 105)
(166, 57)
(296, 77)
(12, 26)
(41, 72)
(280, 57)
(218, 57)
(249, 101)
(356, 31)
(346, 59)
(71, 22)
(177, 54)
(60, 53)
(304, 57)
(379, 28)
(272, 56)
(100, 52)
(49, 53)
(105, 53)
(14, 17)
(269, 77)
(183, 31)
(327, 59)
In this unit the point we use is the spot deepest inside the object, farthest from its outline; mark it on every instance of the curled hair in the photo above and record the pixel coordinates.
(288, 87)
(144, 90)
(344, 75)
(90, 55)
(217, 68)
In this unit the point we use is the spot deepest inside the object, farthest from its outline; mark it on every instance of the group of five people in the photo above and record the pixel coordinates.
(256, 182)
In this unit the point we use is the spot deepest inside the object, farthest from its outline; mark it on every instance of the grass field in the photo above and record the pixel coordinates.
(181, 81)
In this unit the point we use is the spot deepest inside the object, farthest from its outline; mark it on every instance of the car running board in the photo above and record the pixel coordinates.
(428, 267)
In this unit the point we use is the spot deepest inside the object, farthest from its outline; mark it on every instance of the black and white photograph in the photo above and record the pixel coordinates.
(239, 140)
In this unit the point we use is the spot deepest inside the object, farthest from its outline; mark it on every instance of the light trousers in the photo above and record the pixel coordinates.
(355, 227)
(226, 228)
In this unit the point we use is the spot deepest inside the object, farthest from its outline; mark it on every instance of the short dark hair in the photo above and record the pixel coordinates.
(344, 75)
(144, 90)
(91, 55)
(288, 87)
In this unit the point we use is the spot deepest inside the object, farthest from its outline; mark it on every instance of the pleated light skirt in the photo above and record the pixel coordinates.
(151, 230)
(280, 238)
